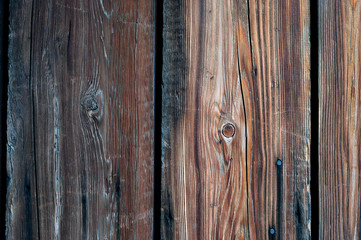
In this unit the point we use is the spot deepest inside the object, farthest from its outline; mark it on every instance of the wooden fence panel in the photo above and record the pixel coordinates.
(236, 120)
(339, 119)
(80, 123)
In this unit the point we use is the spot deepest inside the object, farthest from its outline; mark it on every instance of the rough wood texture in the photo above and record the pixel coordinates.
(4, 5)
(22, 211)
(80, 123)
(339, 119)
(236, 98)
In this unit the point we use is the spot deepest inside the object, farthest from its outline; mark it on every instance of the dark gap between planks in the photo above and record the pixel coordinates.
(158, 118)
(314, 120)
(4, 32)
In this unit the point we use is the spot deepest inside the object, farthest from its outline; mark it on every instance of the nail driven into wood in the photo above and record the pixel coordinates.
(279, 162)
(228, 130)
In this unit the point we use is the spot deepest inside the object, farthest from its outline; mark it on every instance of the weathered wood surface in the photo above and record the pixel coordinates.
(80, 123)
(339, 119)
(4, 5)
(236, 97)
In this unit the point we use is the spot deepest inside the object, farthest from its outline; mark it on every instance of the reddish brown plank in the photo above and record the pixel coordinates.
(339, 119)
(87, 109)
(236, 99)
(280, 93)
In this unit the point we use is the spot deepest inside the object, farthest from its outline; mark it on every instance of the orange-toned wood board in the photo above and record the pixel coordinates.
(236, 120)
(80, 122)
(339, 119)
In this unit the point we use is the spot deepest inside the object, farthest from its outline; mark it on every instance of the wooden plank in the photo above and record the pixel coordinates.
(236, 98)
(21, 212)
(80, 155)
(339, 119)
(4, 5)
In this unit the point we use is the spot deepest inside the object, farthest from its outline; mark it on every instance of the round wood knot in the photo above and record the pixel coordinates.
(93, 105)
(90, 104)
(228, 130)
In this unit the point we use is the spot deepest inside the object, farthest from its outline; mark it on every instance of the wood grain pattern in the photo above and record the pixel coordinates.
(80, 124)
(3, 111)
(245, 65)
(339, 119)
(22, 212)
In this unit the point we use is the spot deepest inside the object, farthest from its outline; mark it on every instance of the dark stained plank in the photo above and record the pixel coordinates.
(22, 211)
(236, 98)
(80, 155)
(339, 119)
(4, 10)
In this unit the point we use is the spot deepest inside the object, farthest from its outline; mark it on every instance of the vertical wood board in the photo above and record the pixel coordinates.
(80, 124)
(4, 5)
(236, 98)
(339, 119)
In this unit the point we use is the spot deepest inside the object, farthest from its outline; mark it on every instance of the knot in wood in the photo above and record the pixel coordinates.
(228, 130)
(90, 104)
